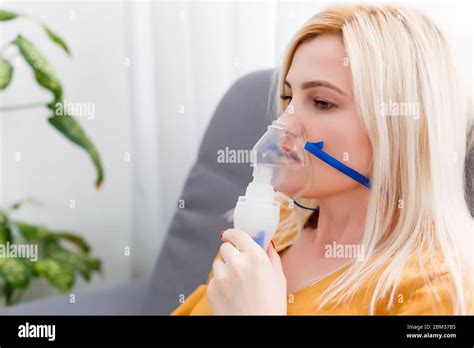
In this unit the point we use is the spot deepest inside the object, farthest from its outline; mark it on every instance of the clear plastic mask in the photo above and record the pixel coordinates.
(282, 149)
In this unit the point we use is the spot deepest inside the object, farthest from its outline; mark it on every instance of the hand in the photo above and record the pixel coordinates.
(247, 280)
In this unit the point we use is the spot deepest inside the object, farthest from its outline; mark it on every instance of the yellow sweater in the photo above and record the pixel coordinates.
(413, 297)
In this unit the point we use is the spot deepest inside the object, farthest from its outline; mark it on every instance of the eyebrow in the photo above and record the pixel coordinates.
(318, 83)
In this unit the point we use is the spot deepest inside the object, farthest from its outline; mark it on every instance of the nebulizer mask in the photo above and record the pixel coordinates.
(281, 161)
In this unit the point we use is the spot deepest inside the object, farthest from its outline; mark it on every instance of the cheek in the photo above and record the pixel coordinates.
(295, 181)
(345, 139)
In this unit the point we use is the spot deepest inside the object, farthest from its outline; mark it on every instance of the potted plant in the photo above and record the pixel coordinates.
(61, 255)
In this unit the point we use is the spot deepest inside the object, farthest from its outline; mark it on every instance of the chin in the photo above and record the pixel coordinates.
(290, 189)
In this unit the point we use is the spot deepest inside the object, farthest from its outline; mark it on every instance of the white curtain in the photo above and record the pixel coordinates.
(183, 57)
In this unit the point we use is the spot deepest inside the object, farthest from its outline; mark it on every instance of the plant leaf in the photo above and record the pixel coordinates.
(78, 261)
(7, 15)
(33, 233)
(57, 40)
(60, 276)
(75, 239)
(44, 73)
(6, 72)
(19, 204)
(5, 230)
(5, 234)
(56, 264)
(72, 130)
(15, 272)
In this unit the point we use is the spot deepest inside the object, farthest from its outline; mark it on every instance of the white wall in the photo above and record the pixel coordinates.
(53, 170)
(199, 50)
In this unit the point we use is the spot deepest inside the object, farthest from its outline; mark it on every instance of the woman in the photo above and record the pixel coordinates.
(378, 84)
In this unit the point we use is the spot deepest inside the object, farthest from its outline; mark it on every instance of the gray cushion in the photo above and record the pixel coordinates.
(125, 299)
(210, 191)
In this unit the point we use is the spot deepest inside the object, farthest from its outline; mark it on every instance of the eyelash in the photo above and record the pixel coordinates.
(316, 102)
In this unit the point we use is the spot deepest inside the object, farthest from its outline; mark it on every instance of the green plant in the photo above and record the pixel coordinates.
(56, 263)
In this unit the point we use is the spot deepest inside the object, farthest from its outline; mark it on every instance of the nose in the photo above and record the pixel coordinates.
(290, 123)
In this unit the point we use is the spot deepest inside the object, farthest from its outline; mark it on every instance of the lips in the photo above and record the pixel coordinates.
(283, 154)
(290, 154)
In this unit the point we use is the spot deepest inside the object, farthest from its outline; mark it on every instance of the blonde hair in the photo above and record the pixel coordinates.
(401, 55)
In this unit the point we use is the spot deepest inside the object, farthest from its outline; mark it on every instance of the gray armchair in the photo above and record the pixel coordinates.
(210, 191)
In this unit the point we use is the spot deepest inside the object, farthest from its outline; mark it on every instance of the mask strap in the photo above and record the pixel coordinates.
(302, 206)
(317, 150)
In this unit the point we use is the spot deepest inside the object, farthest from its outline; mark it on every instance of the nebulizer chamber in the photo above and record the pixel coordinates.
(277, 156)
(257, 213)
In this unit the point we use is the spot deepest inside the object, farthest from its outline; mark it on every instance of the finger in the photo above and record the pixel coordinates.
(218, 267)
(228, 251)
(274, 258)
(240, 239)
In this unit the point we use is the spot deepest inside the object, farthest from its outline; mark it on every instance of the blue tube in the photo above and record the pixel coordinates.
(317, 150)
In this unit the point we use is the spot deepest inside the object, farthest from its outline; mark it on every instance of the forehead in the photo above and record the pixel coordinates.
(322, 58)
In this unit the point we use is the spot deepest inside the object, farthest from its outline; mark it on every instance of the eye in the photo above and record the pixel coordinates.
(323, 104)
(286, 97)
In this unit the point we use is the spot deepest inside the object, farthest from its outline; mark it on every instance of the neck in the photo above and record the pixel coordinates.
(341, 219)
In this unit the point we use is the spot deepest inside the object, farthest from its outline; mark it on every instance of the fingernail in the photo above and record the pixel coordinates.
(221, 234)
(273, 244)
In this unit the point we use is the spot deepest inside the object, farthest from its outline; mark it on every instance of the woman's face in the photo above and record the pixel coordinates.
(319, 91)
